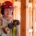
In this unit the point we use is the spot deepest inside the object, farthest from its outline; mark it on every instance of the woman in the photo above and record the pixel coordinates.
(7, 12)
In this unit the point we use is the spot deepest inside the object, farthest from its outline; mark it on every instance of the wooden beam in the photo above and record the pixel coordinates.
(23, 17)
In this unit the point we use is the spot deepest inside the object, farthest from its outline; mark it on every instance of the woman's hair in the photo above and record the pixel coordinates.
(2, 11)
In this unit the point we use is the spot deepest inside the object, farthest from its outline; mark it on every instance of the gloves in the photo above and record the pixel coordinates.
(5, 30)
(16, 22)
(10, 25)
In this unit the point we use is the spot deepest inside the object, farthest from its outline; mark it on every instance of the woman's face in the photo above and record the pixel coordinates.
(8, 12)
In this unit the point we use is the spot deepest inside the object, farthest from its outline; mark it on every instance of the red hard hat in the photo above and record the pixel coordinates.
(7, 4)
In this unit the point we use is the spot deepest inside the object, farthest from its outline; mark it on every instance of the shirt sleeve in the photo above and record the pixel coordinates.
(18, 30)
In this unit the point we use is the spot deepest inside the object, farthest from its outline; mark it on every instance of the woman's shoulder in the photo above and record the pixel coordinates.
(1, 18)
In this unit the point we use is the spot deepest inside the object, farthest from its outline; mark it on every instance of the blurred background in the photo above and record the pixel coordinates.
(31, 18)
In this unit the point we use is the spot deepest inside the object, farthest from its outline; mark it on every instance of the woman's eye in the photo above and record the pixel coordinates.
(8, 10)
(5, 10)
